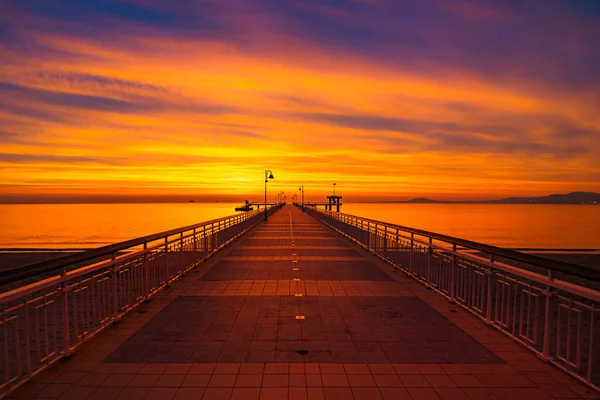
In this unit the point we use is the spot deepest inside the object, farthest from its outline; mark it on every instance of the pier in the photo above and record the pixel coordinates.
(308, 305)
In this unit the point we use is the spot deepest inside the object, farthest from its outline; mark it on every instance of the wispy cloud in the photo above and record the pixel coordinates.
(184, 96)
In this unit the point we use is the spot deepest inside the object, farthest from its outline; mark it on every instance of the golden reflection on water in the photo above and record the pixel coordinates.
(93, 225)
(504, 225)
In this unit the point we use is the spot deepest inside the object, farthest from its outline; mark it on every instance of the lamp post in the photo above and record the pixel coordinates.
(268, 175)
(301, 188)
(334, 188)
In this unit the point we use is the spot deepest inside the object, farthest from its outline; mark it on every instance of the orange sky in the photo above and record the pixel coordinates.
(136, 107)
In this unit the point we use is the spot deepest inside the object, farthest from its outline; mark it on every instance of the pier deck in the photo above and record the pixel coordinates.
(291, 310)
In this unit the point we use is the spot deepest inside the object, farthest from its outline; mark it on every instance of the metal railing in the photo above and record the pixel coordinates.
(555, 318)
(75, 297)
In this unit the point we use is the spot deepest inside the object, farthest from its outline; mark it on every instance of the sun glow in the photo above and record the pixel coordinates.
(155, 114)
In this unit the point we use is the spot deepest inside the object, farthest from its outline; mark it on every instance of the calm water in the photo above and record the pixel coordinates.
(93, 225)
(504, 225)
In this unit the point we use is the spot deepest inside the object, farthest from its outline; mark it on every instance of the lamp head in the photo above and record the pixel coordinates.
(271, 176)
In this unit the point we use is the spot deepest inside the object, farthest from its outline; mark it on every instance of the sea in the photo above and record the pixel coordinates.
(62, 226)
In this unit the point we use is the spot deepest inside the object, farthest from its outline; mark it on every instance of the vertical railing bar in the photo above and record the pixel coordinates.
(528, 324)
(18, 366)
(535, 319)
(46, 338)
(27, 338)
(167, 262)
(6, 348)
(65, 304)
(195, 241)
(515, 305)
(453, 276)
(94, 315)
(385, 255)
(412, 251)
(429, 261)
(146, 273)
(558, 334)
(115, 293)
(37, 332)
(591, 346)
(578, 340)
(568, 350)
(397, 248)
(181, 260)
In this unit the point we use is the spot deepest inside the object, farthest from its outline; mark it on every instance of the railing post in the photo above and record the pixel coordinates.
(376, 237)
(546, 346)
(453, 276)
(213, 241)
(195, 241)
(429, 259)
(385, 242)
(368, 235)
(412, 253)
(146, 274)
(181, 258)
(166, 261)
(489, 272)
(205, 241)
(65, 309)
(115, 290)
(397, 247)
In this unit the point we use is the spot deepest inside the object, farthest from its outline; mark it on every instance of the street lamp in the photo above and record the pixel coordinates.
(268, 175)
(301, 188)
(334, 189)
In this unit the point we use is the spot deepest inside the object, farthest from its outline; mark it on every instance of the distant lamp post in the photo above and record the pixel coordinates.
(268, 175)
(334, 188)
(301, 188)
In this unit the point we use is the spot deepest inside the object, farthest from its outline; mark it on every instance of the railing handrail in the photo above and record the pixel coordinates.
(26, 271)
(549, 264)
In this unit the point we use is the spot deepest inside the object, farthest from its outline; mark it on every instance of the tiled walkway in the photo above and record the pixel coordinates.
(293, 311)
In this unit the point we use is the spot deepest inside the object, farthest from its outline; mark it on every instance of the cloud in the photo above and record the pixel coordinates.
(80, 79)
(48, 158)
(457, 142)
(73, 100)
(188, 94)
(378, 123)
(31, 113)
(133, 104)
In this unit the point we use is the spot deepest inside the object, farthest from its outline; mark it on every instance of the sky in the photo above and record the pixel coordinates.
(389, 99)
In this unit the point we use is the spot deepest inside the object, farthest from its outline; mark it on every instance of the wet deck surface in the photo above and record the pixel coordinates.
(293, 311)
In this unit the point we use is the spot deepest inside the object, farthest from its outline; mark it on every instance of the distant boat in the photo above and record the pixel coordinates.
(191, 201)
(245, 207)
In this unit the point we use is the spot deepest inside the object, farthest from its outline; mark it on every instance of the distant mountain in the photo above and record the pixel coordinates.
(569, 198)
(422, 200)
